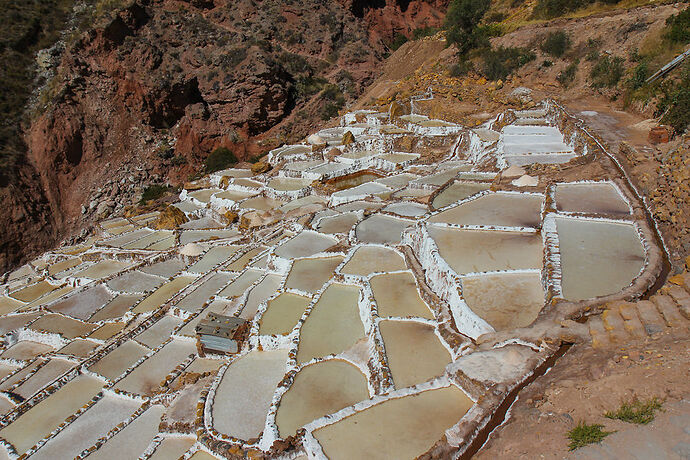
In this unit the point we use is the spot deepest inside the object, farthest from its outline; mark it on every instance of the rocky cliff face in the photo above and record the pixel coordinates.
(144, 93)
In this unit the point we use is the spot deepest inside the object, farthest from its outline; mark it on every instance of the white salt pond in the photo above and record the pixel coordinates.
(387, 431)
(474, 251)
(305, 244)
(414, 352)
(458, 191)
(84, 304)
(373, 259)
(333, 325)
(309, 275)
(266, 288)
(407, 209)
(135, 281)
(199, 296)
(241, 283)
(495, 209)
(337, 224)
(317, 390)
(173, 447)
(213, 257)
(119, 360)
(597, 257)
(163, 294)
(96, 422)
(380, 228)
(396, 295)
(39, 421)
(593, 198)
(282, 314)
(505, 300)
(245, 392)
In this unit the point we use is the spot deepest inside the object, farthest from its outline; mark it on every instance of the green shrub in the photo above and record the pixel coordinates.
(398, 41)
(461, 69)
(584, 434)
(636, 411)
(308, 86)
(639, 76)
(592, 49)
(461, 22)
(153, 192)
(674, 105)
(556, 43)
(221, 158)
(678, 27)
(421, 32)
(501, 62)
(546, 64)
(607, 72)
(335, 100)
(567, 76)
(548, 9)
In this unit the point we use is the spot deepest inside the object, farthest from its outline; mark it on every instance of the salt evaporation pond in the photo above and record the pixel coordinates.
(309, 275)
(282, 314)
(386, 431)
(597, 257)
(317, 390)
(396, 295)
(595, 198)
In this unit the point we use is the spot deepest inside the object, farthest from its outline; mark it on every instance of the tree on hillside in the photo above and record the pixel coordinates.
(462, 24)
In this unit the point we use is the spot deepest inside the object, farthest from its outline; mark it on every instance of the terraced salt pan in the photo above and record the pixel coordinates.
(81, 348)
(396, 295)
(245, 392)
(309, 275)
(135, 281)
(438, 179)
(203, 223)
(119, 360)
(380, 228)
(149, 240)
(304, 201)
(127, 238)
(107, 331)
(397, 181)
(13, 322)
(50, 297)
(282, 314)
(341, 223)
(359, 206)
(193, 236)
(595, 198)
(407, 209)
(187, 207)
(495, 209)
(166, 268)
(163, 294)
(58, 324)
(39, 421)
(146, 378)
(241, 283)
(317, 390)
(370, 189)
(399, 428)
(261, 203)
(84, 304)
(475, 251)
(288, 184)
(373, 259)
(25, 350)
(198, 297)
(155, 335)
(103, 269)
(116, 307)
(458, 191)
(260, 293)
(8, 305)
(413, 351)
(305, 244)
(91, 425)
(134, 439)
(204, 195)
(597, 257)
(246, 182)
(66, 264)
(173, 447)
(33, 292)
(410, 192)
(333, 325)
(505, 300)
(242, 262)
(53, 369)
(6, 405)
(234, 172)
(21, 374)
(300, 166)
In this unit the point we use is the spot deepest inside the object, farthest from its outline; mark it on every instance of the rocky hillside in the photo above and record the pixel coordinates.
(139, 92)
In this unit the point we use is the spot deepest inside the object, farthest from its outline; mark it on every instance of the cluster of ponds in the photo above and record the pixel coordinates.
(350, 297)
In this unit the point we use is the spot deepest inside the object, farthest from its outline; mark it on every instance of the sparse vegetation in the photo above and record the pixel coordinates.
(556, 43)
(674, 104)
(548, 9)
(462, 24)
(398, 41)
(461, 69)
(678, 27)
(567, 76)
(636, 411)
(335, 100)
(221, 158)
(153, 192)
(607, 71)
(501, 62)
(584, 434)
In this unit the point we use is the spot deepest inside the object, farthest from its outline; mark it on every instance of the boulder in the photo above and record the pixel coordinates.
(348, 138)
(170, 219)
(260, 167)
(315, 139)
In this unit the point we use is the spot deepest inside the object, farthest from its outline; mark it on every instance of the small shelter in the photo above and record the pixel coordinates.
(221, 334)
